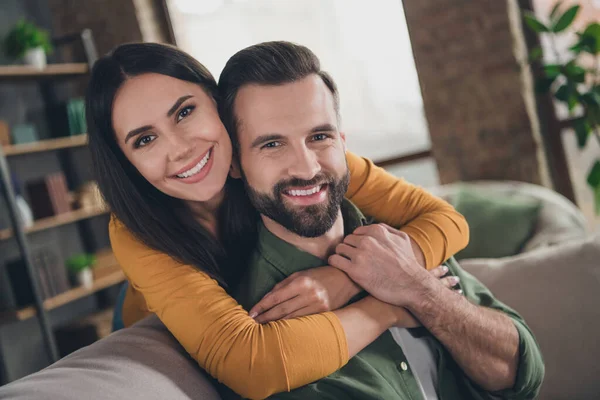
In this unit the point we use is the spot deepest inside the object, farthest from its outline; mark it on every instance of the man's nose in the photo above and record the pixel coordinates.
(180, 148)
(304, 164)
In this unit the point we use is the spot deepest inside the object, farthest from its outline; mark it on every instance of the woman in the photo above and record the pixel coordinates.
(182, 228)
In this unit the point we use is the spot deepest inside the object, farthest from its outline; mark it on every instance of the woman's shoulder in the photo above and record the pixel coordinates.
(136, 257)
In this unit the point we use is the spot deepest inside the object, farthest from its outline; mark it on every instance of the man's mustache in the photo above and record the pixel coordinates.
(295, 182)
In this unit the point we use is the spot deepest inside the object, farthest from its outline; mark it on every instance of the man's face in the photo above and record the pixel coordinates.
(292, 155)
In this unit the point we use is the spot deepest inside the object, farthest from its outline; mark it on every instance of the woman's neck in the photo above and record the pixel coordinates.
(207, 212)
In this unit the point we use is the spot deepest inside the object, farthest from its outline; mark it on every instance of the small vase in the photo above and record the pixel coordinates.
(85, 278)
(35, 58)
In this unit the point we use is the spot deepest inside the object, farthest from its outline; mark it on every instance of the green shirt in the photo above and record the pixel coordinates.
(379, 371)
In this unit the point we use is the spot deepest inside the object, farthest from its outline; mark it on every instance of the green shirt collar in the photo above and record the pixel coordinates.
(286, 257)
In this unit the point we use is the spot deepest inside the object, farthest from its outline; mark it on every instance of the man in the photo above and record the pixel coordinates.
(282, 113)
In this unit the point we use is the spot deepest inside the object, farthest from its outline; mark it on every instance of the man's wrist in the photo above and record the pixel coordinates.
(425, 296)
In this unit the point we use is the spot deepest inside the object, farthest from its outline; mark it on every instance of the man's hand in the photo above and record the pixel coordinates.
(381, 260)
(483, 342)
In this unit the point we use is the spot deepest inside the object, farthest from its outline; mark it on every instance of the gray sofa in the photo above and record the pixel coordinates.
(556, 289)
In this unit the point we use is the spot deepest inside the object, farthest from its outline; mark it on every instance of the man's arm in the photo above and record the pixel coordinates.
(487, 344)
(484, 342)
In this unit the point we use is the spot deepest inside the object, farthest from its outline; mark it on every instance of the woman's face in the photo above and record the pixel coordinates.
(170, 131)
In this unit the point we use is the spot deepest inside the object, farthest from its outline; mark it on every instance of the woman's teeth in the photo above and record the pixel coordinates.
(193, 171)
(304, 192)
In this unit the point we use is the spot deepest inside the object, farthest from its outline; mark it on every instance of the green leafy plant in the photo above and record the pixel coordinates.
(80, 262)
(572, 81)
(25, 36)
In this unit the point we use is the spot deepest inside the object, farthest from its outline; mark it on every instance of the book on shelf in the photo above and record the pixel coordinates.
(49, 196)
(51, 275)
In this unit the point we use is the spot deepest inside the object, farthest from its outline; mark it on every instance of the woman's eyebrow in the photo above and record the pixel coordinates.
(177, 104)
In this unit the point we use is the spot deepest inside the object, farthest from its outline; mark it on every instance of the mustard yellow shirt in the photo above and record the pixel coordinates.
(258, 360)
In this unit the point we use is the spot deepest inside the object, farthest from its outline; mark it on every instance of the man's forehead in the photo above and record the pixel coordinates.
(298, 104)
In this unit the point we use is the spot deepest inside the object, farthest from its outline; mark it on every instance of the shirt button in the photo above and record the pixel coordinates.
(403, 366)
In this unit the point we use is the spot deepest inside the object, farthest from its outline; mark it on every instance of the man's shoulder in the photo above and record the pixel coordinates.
(260, 277)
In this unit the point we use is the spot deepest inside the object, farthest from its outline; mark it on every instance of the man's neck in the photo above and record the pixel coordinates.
(321, 247)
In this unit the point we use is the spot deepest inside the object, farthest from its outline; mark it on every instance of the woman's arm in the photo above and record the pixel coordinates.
(435, 226)
(252, 359)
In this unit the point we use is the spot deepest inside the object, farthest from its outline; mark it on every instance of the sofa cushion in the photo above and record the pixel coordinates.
(499, 225)
(557, 290)
(138, 363)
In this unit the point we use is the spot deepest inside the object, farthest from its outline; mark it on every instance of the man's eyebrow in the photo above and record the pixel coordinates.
(323, 128)
(177, 104)
(137, 131)
(265, 138)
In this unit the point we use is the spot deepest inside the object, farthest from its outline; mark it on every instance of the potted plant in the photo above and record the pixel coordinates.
(574, 78)
(29, 42)
(80, 269)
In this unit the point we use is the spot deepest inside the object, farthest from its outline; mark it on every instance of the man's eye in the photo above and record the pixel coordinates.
(319, 137)
(144, 140)
(184, 112)
(271, 145)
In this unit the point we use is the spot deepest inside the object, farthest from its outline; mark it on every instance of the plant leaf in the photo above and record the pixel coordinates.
(590, 38)
(535, 54)
(552, 70)
(563, 93)
(566, 19)
(534, 24)
(575, 72)
(542, 85)
(554, 11)
(593, 177)
(582, 130)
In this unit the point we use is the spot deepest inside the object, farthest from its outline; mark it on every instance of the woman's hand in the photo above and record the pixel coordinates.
(307, 292)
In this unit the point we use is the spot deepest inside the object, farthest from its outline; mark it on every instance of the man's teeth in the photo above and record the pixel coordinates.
(193, 171)
(304, 192)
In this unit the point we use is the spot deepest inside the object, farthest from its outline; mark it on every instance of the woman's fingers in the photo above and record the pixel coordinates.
(284, 309)
(439, 271)
(282, 292)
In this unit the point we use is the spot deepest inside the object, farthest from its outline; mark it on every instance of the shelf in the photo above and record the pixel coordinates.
(57, 220)
(105, 260)
(46, 145)
(12, 72)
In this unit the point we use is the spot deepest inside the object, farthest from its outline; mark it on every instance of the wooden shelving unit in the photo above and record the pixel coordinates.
(105, 261)
(46, 145)
(57, 220)
(13, 72)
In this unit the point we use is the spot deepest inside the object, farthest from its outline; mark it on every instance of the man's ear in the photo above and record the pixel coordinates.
(235, 171)
(343, 137)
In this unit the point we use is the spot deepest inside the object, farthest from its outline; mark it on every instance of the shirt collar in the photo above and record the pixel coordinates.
(287, 257)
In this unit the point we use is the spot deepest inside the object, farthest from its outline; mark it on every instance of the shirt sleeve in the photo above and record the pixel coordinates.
(252, 359)
(530, 369)
(437, 228)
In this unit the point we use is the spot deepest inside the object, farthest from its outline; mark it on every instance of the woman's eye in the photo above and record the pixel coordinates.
(184, 112)
(271, 145)
(144, 140)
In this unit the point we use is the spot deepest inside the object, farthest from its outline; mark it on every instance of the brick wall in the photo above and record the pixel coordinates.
(473, 90)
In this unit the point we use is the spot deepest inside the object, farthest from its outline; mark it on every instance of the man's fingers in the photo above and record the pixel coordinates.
(345, 250)
(283, 309)
(340, 262)
(439, 271)
(352, 240)
(450, 281)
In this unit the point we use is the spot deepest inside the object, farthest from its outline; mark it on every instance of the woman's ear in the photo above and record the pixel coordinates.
(234, 171)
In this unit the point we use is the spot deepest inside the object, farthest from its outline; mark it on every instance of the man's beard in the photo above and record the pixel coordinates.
(308, 221)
